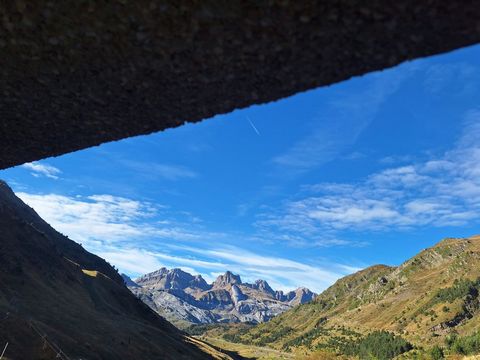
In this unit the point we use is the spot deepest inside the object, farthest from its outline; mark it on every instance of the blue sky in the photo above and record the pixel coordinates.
(298, 192)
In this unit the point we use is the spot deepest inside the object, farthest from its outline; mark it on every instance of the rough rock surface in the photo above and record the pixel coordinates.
(76, 74)
(227, 279)
(176, 279)
(228, 299)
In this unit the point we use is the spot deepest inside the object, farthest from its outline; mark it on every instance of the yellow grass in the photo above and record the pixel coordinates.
(250, 351)
(92, 273)
(207, 348)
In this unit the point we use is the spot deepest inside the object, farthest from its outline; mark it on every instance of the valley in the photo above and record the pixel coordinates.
(58, 300)
(428, 304)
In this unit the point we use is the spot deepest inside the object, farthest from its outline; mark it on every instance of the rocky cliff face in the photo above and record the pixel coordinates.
(227, 279)
(301, 295)
(172, 279)
(186, 299)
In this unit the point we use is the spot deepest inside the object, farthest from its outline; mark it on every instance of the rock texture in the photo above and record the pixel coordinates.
(185, 299)
(76, 74)
(57, 297)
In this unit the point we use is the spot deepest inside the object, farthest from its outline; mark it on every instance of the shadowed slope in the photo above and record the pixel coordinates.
(43, 291)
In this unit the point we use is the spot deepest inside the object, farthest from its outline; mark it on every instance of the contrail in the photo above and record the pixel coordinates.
(253, 126)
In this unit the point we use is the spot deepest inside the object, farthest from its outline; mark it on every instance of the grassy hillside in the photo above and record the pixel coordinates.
(433, 296)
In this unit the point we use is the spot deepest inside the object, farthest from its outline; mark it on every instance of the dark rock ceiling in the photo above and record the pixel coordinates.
(77, 73)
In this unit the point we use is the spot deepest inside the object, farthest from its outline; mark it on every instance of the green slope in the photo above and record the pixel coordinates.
(424, 300)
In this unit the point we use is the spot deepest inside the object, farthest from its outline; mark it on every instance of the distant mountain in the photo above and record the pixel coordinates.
(127, 281)
(58, 301)
(175, 279)
(186, 299)
(226, 280)
(430, 297)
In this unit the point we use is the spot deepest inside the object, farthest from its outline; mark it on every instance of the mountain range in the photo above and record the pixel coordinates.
(58, 301)
(431, 301)
(185, 299)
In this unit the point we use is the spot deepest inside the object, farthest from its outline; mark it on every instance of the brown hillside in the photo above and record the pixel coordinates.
(423, 300)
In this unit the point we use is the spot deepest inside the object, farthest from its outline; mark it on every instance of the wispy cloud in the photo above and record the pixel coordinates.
(342, 121)
(281, 273)
(460, 79)
(105, 219)
(442, 191)
(300, 237)
(395, 159)
(94, 218)
(41, 169)
(354, 156)
(133, 261)
(129, 234)
(154, 170)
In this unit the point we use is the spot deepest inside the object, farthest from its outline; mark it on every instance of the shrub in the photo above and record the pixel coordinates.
(464, 345)
(274, 336)
(436, 353)
(381, 345)
(305, 339)
(460, 289)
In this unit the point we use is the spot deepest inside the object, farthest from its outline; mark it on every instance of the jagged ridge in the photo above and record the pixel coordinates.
(186, 299)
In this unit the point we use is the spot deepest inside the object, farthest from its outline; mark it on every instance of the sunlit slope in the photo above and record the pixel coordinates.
(425, 298)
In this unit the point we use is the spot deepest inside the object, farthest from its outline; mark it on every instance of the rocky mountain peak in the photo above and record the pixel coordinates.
(262, 285)
(302, 296)
(199, 282)
(184, 298)
(227, 279)
(128, 281)
(237, 294)
(176, 279)
(152, 277)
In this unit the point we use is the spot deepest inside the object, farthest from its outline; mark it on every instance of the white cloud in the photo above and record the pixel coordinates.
(281, 273)
(98, 217)
(38, 169)
(131, 261)
(106, 218)
(184, 261)
(137, 237)
(443, 191)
